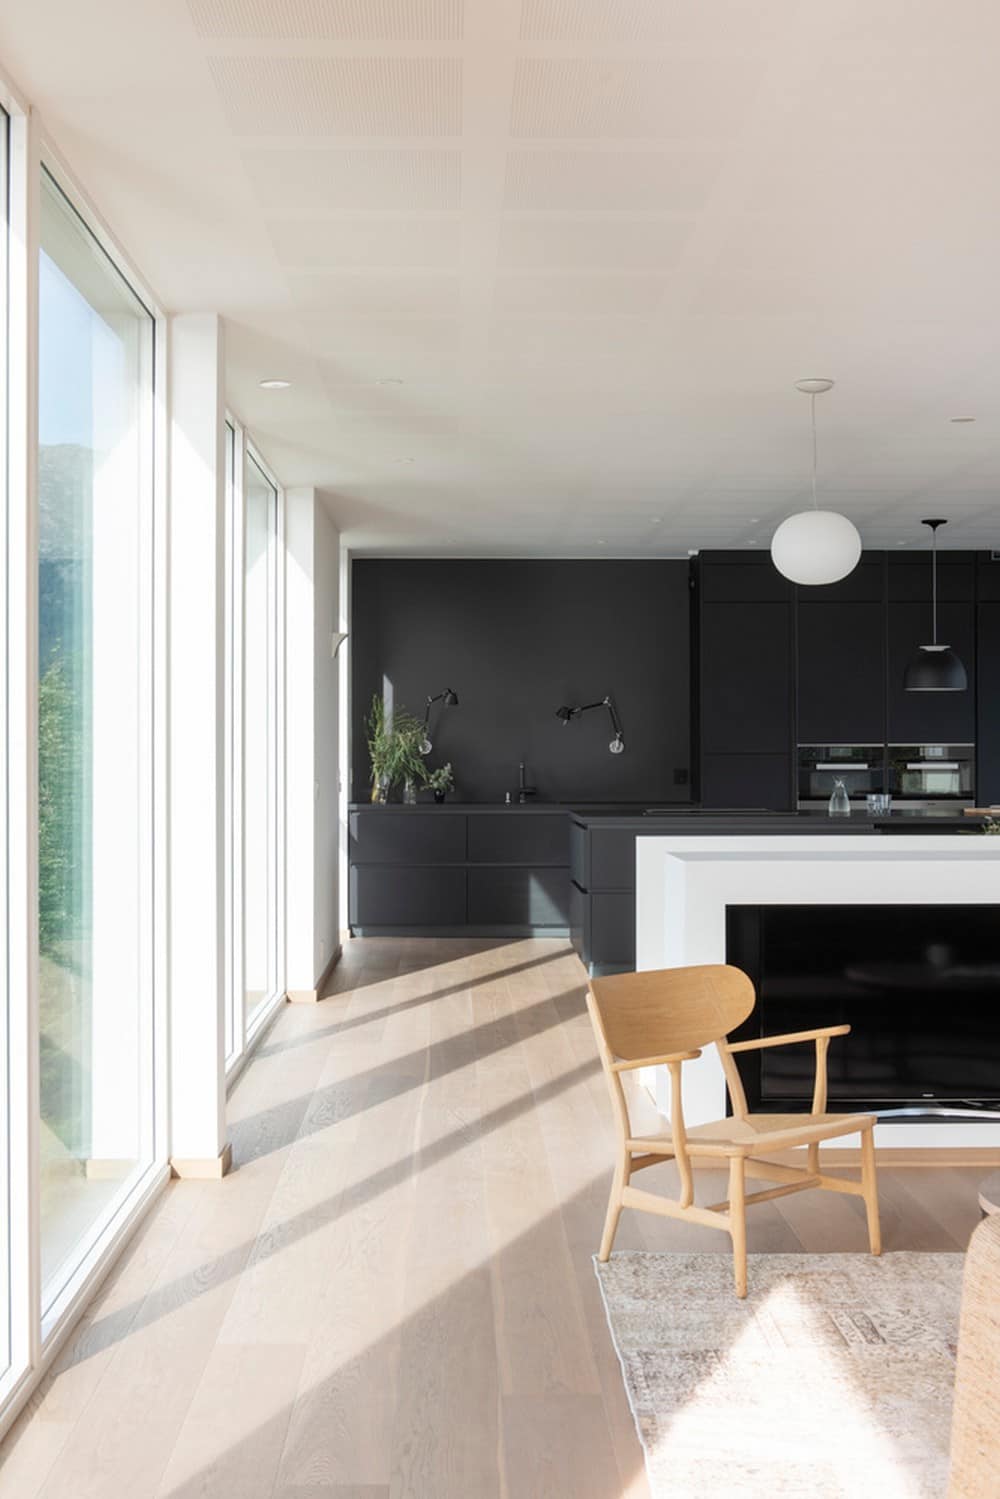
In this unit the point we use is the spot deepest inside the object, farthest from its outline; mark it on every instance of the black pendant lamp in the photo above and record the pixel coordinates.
(935, 667)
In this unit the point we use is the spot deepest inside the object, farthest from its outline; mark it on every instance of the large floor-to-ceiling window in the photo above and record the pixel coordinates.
(5, 1016)
(260, 741)
(95, 421)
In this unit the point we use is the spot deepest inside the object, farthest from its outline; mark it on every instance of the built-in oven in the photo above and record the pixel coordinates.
(861, 767)
(932, 775)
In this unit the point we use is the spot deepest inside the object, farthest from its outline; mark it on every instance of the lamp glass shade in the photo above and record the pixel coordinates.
(935, 668)
(815, 547)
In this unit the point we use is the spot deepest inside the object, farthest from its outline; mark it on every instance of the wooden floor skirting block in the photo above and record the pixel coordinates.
(313, 996)
(212, 1168)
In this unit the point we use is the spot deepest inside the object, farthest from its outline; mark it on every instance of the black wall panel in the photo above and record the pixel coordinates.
(515, 640)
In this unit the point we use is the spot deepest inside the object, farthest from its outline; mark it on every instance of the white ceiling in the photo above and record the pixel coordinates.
(543, 272)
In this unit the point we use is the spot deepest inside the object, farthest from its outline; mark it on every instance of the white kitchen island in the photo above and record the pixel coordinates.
(684, 885)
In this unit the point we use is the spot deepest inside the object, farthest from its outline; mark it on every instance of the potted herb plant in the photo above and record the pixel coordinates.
(440, 781)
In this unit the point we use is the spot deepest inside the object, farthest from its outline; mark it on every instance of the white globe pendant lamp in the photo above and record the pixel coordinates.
(815, 546)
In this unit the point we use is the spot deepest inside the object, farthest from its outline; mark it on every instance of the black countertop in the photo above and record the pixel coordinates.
(689, 819)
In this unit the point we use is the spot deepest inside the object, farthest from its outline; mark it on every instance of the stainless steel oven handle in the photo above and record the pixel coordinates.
(854, 765)
(933, 765)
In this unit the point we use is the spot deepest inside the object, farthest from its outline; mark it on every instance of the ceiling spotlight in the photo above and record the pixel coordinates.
(962, 419)
(389, 380)
(275, 384)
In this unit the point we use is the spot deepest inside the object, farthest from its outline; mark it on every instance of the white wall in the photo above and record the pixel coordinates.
(326, 736)
(312, 745)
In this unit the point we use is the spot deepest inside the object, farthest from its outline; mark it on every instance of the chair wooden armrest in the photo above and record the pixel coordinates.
(789, 1038)
(664, 1061)
(821, 1036)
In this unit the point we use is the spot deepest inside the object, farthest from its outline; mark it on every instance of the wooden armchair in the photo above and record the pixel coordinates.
(665, 1018)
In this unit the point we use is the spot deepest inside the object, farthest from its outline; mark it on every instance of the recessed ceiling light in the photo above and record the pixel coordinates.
(275, 384)
(901, 543)
(752, 543)
(389, 380)
(656, 519)
(959, 419)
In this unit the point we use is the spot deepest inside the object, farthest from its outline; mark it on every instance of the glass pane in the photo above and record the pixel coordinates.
(232, 579)
(260, 977)
(5, 1216)
(95, 464)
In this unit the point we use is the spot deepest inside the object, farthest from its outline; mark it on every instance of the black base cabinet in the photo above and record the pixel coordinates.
(423, 871)
(603, 898)
(387, 896)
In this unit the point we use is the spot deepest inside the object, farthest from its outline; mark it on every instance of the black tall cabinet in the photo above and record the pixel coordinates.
(988, 681)
(744, 644)
(776, 666)
(841, 665)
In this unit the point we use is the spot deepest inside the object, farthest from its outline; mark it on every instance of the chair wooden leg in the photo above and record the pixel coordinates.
(870, 1184)
(614, 1212)
(738, 1222)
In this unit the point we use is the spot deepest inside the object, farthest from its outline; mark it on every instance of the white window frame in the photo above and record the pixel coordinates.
(36, 1337)
(245, 1035)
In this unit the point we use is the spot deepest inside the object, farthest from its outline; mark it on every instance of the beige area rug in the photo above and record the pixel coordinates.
(833, 1380)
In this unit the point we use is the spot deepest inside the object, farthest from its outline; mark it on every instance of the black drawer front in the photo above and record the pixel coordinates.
(579, 862)
(383, 837)
(612, 928)
(384, 896)
(519, 897)
(612, 859)
(579, 921)
(520, 838)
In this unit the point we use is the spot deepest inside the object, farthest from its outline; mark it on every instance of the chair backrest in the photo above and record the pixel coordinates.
(671, 1009)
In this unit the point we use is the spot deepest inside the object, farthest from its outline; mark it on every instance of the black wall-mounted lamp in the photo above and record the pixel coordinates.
(450, 700)
(617, 744)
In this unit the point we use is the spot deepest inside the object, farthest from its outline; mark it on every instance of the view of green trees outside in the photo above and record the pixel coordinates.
(95, 465)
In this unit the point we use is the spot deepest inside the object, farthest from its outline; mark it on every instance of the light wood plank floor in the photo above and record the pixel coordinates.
(392, 1296)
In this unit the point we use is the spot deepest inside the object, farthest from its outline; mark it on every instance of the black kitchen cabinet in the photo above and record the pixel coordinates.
(988, 673)
(521, 838)
(930, 717)
(459, 871)
(382, 836)
(841, 673)
(612, 929)
(407, 897)
(743, 634)
(746, 678)
(747, 781)
(841, 651)
(602, 897)
(519, 897)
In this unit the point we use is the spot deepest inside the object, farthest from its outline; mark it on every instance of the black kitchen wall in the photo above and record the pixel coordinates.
(515, 640)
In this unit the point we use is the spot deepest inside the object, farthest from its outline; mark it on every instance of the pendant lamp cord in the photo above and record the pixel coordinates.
(812, 413)
(934, 583)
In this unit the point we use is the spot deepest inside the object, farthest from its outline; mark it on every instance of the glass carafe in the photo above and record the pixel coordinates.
(840, 802)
